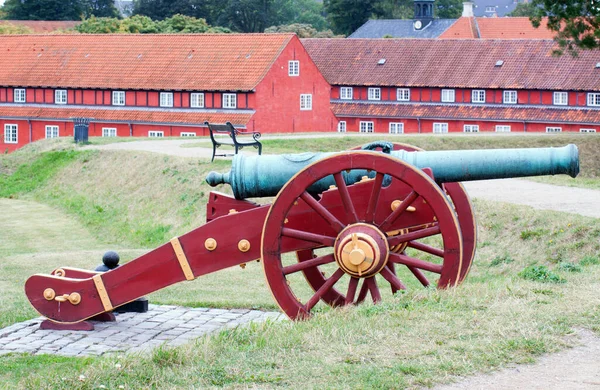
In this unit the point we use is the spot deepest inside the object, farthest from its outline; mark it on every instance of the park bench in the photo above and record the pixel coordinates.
(226, 134)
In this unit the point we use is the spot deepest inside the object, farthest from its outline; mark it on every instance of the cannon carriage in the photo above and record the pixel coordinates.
(342, 227)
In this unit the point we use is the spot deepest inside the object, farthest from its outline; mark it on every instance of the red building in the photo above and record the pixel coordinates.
(466, 85)
(157, 85)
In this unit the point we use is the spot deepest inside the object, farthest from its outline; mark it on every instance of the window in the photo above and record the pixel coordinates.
(587, 130)
(306, 101)
(109, 132)
(19, 96)
(197, 100)
(166, 99)
(403, 94)
(188, 134)
(51, 131)
(553, 129)
(374, 93)
(509, 97)
(439, 128)
(478, 96)
(561, 98)
(156, 134)
(60, 96)
(448, 95)
(502, 129)
(490, 9)
(366, 127)
(10, 134)
(293, 68)
(396, 128)
(593, 99)
(471, 128)
(346, 93)
(229, 100)
(118, 98)
(341, 127)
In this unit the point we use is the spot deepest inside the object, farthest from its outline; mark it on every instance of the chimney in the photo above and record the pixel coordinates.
(467, 9)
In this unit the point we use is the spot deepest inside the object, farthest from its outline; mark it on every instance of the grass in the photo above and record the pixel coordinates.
(416, 339)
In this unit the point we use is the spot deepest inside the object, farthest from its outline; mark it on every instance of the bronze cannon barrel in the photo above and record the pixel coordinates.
(262, 176)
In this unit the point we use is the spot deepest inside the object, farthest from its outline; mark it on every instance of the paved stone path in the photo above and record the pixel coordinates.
(132, 332)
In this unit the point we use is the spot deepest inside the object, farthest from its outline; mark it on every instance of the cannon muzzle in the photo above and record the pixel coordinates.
(263, 176)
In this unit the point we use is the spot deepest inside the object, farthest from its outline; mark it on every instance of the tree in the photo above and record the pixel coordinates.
(346, 16)
(44, 9)
(139, 24)
(448, 9)
(101, 8)
(576, 23)
(302, 30)
(248, 15)
(9, 28)
(162, 9)
(525, 9)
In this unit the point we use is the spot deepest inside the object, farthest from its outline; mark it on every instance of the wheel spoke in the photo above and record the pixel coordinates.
(393, 279)
(420, 276)
(306, 236)
(364, 289)
(401, 208)
(322, 211)
(351, 290)
(377, 183)
(308, 264)
(426, 248)
(428, 232)
(346, 201)
(324, 288)
(412, 262)
(375, 294)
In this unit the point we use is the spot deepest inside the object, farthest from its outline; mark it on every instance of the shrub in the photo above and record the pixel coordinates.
(541, 273)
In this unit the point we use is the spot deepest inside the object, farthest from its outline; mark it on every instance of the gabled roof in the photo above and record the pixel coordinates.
(453, 63)
(44, 26)
(497, 28)
(400, 28)
(209, 62)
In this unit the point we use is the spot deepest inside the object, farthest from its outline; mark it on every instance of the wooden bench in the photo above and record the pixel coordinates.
(226, 134)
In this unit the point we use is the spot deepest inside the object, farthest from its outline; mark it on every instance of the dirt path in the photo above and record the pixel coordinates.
(575, 368)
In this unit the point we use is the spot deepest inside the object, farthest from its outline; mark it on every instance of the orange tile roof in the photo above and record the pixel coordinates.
(168, 117)
(462, 28)
(209, 62)
(468, 112)
(44, 26)
(454, 63)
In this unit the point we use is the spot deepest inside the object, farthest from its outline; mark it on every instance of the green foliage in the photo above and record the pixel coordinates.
(404, 9)
(534, 233)
(247, 16)
(569, 267)
(503, 259)
(163, 9)
(101, 8)
(139, 24)
(9, 28)
(590, 260)
(302, 30)
(346, 16)
(58, 9)
(448, 9)
(541, 273)
(524, 9)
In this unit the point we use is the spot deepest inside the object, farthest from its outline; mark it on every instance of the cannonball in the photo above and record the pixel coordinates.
(110, 261)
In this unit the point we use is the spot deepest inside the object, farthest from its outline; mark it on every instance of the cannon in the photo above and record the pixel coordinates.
(342, 227)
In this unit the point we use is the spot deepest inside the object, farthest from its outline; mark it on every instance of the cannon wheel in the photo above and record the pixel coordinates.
(466, 218)
(345, 241)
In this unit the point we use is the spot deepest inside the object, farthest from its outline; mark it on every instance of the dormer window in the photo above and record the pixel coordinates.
(374, 94)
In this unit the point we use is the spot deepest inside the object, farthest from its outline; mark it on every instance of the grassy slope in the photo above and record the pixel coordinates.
(419, 338)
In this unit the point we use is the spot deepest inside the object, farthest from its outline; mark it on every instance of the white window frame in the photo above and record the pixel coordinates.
(471, 128)
(440, 128)
(448, 95)
(118, 98)
(593, 99)
(166, 99)
(403, 94)
(478, 96)
(490, 9)
(109, 131)
(197, 100)
(503, 129)
(396, 128)
(156, 134)
(19, 95)
(11, 133)
(346, 93)
(366, 127)
(230, 100)
(374, 93)
(587, 130)
(305, 101)
(560, 98)
(342, 127)
(52, 131)
(294, 68)
(187, 134)
(553, 129)
(60, 96)
(507, 97)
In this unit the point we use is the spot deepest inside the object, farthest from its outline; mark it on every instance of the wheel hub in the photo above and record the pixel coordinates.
(361, 250)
